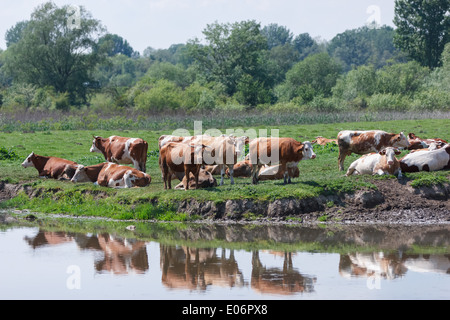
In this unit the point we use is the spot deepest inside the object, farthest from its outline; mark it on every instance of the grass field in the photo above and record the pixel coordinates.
(318, 176)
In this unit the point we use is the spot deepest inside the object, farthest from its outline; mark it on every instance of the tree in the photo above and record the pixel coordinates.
(114, 44)
(276, 35)
(233, 57)
(316, 75)
(423, 29)
(15, 33)
(53, 52)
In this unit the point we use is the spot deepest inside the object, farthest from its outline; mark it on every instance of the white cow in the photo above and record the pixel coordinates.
(383, 162)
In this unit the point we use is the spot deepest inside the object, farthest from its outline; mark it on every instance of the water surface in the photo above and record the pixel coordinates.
(81, 260)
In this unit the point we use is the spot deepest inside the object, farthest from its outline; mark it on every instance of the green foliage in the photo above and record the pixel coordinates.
(7, 154)
(423, 29)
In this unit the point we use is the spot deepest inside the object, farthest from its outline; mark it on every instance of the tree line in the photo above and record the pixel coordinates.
(51, 64)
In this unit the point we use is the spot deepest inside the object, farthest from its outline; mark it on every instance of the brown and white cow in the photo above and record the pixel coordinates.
(222, 151)
(205, 180)
(122, 150)
(51, 167)
(244, 169)
(363, 142)
(180, 159)
(419, 143)
(383, 162)
(323, 141)
(438, 159)
(108, 174)
(287, 152)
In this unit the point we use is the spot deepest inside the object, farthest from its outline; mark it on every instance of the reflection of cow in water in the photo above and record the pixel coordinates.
(391, 266)
(120, 255)
(196, 269)
(286, 280)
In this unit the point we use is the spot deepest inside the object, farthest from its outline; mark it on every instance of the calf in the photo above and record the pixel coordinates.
(363, 142)
(438, 159)
(383, 162)
(51, 167)
(180, 159)
(205, 180)
(323, 141)
(122, 150)
(287, 152)
(108, 174)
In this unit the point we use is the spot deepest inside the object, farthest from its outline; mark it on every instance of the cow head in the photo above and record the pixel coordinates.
(390, 154)
(400, 141)
(28, 161)
(307, 150)
(80, 175)
(96, 143)
(239, 144)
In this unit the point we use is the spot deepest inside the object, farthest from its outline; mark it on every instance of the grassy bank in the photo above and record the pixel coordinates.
(317, 177)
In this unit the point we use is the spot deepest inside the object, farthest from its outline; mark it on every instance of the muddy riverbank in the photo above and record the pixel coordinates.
(388, 203)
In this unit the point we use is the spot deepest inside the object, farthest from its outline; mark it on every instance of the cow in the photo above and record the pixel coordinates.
(431, 147)
(222, 151)
(419, 143)
(438, 159)
(363, 142)
(109, 174)
(383, 162)
(180, 159)
(122, 150)
(205, 180)
(287, 152)
(165, 139)
(244, 169)
(51, 167)
(323, 141)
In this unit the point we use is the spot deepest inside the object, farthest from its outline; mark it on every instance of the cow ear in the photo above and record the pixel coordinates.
(397, 152)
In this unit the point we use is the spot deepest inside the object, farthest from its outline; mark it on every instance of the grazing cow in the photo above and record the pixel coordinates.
(108, 174)
(323, 141)
(287, 152)
(383, 162)
(122, 150)
(363, 142)
(180, 159)
(205, 180)
(418, 143)
(51, 167)
(222, 151)
(438, 159)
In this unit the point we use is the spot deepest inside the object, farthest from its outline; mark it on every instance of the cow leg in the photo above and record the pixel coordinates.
(231, 172)
(255, 171)
(222, 173)
(186, 174)
(127, 180)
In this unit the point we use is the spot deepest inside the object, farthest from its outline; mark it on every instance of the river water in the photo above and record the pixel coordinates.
(77, 259)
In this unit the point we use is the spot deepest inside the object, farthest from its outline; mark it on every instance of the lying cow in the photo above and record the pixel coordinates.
(438, 159)
(205, 180)
(363, 142)
(244, 169)
(51, 167)
(383, 162)
(419, 143)
(108, 174)
(122, 150)
(180, 159)
(287, 152)
(323, 141)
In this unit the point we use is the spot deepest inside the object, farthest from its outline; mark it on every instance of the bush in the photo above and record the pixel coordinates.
(162, 96)
(388, 102)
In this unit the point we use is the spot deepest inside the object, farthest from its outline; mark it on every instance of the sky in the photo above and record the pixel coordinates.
(161, 23)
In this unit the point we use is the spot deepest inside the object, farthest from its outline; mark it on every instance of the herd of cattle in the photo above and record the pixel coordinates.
(194, 160)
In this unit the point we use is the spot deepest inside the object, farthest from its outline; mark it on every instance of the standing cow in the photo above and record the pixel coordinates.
(363, 142)
(287, 152)
(122, 150)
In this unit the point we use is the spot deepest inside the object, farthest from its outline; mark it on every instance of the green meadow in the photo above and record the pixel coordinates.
(318, 176)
